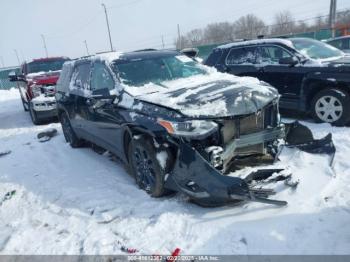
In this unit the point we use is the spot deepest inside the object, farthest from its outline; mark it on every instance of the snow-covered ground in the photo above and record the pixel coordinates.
(74, 201)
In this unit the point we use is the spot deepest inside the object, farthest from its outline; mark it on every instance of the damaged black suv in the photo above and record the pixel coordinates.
(178, 125)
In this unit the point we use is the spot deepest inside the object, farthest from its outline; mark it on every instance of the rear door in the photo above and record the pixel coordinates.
(241, 61)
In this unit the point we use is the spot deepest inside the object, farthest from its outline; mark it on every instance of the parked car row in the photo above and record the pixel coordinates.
(182, 126)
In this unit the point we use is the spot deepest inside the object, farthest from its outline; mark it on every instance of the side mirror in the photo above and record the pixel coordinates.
(13, 77)
(291, 61)
(190, 52)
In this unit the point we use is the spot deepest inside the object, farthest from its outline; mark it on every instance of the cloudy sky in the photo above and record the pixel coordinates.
(135, 24)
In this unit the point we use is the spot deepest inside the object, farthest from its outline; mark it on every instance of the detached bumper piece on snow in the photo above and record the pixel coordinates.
(196, 177)
(207, 186)
(301, 137)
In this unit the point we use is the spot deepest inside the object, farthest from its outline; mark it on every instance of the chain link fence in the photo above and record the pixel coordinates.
(4, 80)
(322, 34)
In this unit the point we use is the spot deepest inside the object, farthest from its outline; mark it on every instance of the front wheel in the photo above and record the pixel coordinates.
(145, 167)
(331, 106)
(68, 132)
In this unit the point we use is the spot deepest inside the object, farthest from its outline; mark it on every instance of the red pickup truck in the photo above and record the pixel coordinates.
(36, 84)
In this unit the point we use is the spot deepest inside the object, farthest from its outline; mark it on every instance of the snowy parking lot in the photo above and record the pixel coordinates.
(75, 201)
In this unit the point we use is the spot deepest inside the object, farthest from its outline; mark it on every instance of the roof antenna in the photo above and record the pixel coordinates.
(261, 36)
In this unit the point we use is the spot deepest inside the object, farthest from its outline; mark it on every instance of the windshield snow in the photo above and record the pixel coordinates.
(315, 49)
(138, 72)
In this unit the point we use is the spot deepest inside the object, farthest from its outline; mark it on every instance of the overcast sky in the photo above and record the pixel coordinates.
(135, 24)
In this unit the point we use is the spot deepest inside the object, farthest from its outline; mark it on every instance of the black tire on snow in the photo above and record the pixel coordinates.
(145, 168)
(69, 133)
(25, 105)
(341, 98)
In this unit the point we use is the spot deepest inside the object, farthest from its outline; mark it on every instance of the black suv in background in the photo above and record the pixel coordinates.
(177, 124)
(310, 75)
(342, 43)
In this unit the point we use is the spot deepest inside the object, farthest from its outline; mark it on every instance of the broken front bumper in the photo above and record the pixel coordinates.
(196, 177)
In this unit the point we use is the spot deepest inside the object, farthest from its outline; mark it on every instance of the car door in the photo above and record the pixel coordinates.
(79, 90)
(104, 113)
(286, 78)
(241, 61)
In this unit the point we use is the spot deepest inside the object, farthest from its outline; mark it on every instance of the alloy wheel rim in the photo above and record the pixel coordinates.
(145, 174)
(329, 109)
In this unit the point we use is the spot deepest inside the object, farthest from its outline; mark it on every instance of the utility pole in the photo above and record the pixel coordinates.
(179, 36)
(163, 42)
(333, 16)
(109, 31)
(86, 46)
(45, 47)
(19, 62)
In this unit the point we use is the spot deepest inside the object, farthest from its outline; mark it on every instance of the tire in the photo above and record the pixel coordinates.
(331, 106)
(145, 168)
(68, 132)
(25, 105)
(33, 115)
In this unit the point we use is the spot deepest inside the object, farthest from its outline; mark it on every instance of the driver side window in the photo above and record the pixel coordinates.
(101, 78)
(272, 55)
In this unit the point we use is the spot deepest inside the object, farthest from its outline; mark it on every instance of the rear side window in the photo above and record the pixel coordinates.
(101, 78)
(214, 57)
(242, 55)
(64, 80)
(81, 76)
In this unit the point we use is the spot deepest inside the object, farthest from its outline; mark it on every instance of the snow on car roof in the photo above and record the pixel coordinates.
(286, 42)
(112, 56)
(109, 56)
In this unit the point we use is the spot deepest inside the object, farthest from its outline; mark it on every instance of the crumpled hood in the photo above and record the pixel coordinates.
(213, 95)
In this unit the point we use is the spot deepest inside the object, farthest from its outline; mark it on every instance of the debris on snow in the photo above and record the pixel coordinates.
(4, 153)
(47, 134)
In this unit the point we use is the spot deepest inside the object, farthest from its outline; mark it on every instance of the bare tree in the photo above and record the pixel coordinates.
(343, 17)
(195, 37)
(284, 23)
(218, 33)
(182, 42)
(249, 26)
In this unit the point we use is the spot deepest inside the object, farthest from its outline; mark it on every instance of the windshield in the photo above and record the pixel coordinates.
(138, 72)
(316, 49)
(45, 66)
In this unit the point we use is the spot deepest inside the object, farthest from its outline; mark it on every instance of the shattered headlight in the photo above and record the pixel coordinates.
(194, 128)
